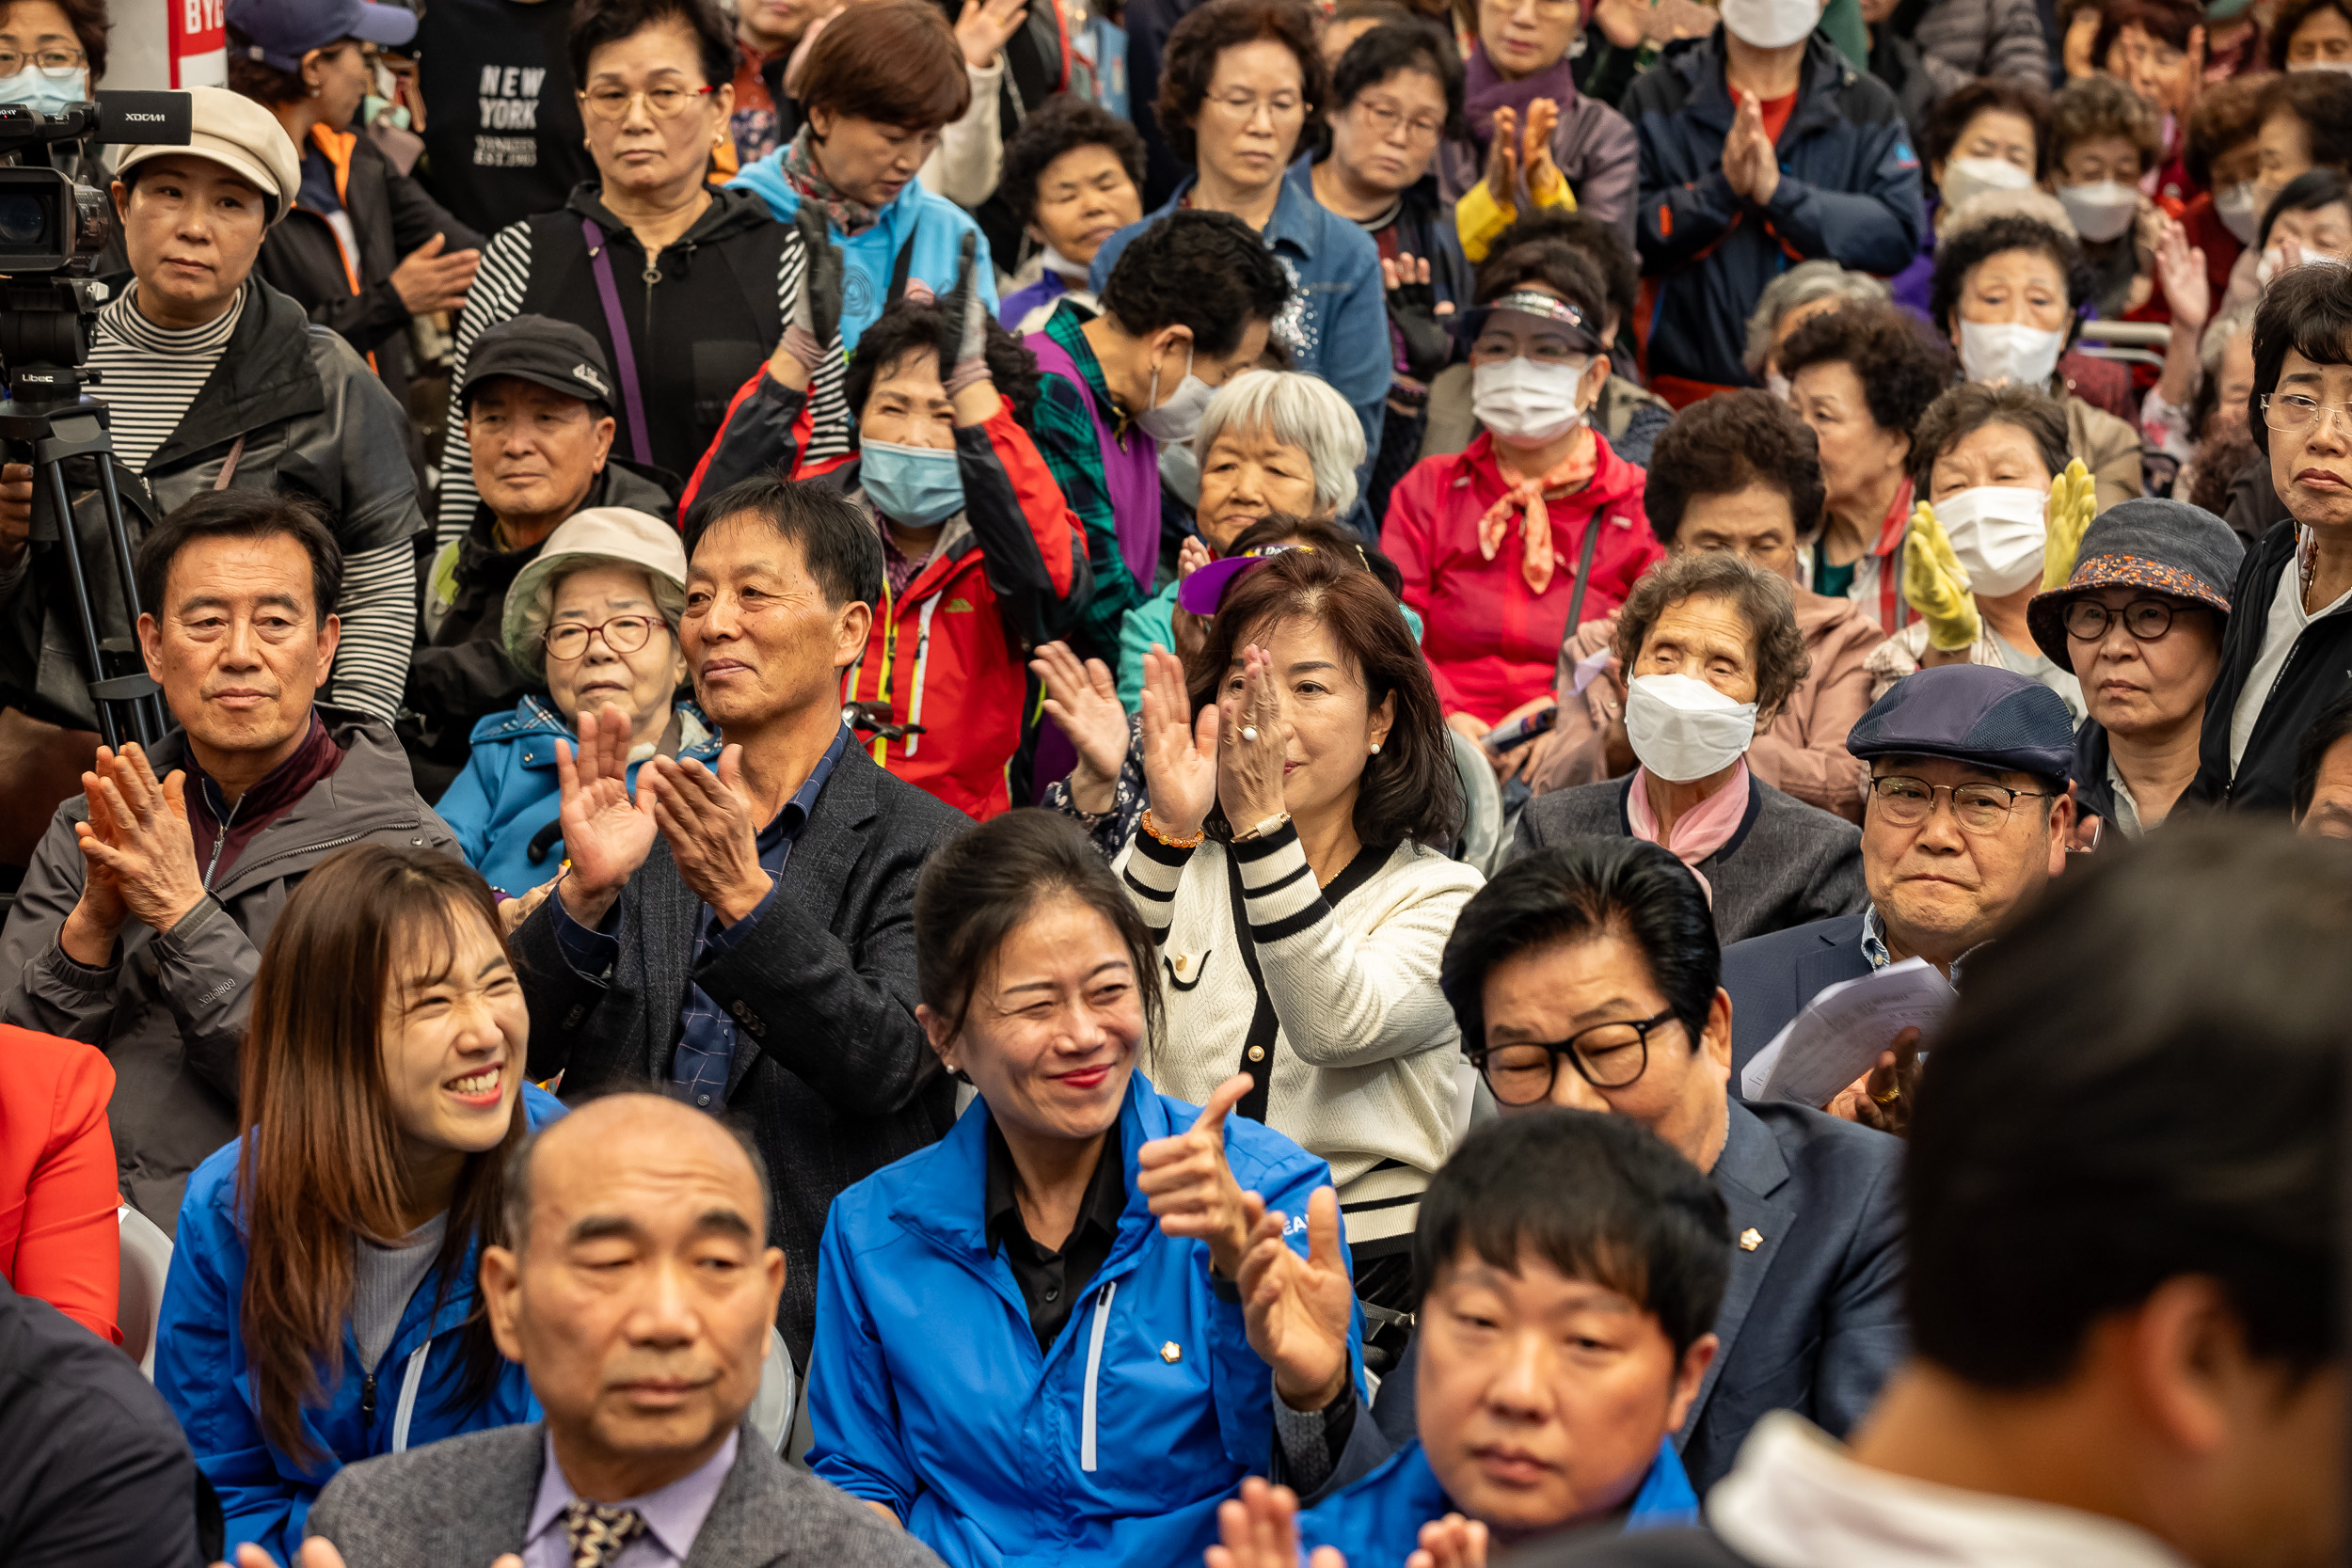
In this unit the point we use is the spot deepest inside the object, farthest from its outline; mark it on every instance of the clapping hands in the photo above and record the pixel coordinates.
(1751, 162)
(1082, 699)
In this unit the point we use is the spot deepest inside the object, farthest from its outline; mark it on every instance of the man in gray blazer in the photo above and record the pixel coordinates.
(747, 935)
(636, 1290)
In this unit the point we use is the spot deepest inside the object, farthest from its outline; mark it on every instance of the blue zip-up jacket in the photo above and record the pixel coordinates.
(1336, 325)
(928, 1392)
(936, 225)
(1849, 190)
(201, 1370)
(1377, 1523)
(509, 790)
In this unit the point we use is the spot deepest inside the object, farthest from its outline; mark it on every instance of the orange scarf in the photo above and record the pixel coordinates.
(1528, 498)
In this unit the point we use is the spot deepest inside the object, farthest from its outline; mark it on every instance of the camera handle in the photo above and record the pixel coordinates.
(56, 431)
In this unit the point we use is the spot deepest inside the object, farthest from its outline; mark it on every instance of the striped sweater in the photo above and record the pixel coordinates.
(1360, 1065)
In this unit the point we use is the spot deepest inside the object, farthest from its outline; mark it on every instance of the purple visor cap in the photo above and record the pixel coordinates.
(1200, 593)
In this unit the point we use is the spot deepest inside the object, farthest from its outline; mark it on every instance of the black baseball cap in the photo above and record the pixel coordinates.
(541, 349)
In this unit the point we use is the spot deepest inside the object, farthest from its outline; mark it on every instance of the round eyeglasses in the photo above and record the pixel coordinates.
(1980, 808)
(1607, 1055)
(2088, 619)
(623, 634)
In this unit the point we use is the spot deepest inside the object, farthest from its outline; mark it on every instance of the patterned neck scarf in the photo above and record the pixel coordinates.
(845, 212)
(1528, 497)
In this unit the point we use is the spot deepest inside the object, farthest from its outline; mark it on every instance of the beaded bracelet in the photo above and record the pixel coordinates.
(1152, 827)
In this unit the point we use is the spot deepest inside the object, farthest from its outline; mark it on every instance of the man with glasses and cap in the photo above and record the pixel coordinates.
(1968, 816)
(538, 400)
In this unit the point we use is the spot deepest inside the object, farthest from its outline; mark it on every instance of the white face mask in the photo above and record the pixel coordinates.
(1968, 177)
(2101, 212)
(1779, 386)
(2344, 66)
(1524, 402)
(1180, 416)
(1180, 471)
(2009, 351)
(2240, 210)
(1997, 532)
(1770, 24)
(1684, 729)
(2273, 261)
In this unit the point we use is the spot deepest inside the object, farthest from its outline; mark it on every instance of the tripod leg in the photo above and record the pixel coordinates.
(54, 475)
(147, 714)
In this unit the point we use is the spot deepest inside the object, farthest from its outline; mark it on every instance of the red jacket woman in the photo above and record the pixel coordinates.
(59, 1233)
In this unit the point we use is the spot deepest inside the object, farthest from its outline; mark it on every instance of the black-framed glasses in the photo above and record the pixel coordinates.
(623, 634)
(2088, 619)
(1980, 808)
(1607, 1055)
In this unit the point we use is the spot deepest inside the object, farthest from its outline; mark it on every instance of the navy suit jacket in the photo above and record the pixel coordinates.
(1812, 1318)
(1771, 979)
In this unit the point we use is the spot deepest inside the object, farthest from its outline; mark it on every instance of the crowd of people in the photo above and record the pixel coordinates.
(957, 781)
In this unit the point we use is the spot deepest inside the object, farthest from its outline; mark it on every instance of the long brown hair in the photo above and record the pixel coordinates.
(1410, 790)
(321, 1167)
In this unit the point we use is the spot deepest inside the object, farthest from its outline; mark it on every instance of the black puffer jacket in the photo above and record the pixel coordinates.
(390, 215)
(701, 317)
(2317, 671)
(301, 414)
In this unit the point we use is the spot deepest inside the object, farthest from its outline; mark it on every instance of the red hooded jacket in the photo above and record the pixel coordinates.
(1492, 641)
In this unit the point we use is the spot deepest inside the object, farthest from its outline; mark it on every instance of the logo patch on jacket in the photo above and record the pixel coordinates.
(959, 607)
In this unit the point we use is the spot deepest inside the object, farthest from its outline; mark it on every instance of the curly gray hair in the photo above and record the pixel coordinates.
(1761, 597)
(1801, 285)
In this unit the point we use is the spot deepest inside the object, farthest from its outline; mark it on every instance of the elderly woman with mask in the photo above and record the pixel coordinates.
(1737, 472)
(594, 615)
(2000, 510)
(2140, 622)
(1711, 649)
(1269, 441)
(1536, 525)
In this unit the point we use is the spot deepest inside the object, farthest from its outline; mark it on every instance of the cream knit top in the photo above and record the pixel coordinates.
(1360, 1068)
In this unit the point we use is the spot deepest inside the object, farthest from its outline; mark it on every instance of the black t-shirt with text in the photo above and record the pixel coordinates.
(503, 132)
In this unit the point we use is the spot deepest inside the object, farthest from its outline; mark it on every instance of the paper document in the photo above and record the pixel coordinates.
(1840, 1034)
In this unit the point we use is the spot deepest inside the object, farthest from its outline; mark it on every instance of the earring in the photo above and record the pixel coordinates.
(1375, 748)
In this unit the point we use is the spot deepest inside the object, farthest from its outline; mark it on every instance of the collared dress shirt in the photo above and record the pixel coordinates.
(674, 1514)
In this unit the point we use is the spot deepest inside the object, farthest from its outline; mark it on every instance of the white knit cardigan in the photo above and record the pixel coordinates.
(1364, 1056)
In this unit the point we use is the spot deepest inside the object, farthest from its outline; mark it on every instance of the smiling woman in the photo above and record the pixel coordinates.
(331, 1249)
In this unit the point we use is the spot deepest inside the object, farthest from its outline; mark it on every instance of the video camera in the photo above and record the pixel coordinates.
(53, 229)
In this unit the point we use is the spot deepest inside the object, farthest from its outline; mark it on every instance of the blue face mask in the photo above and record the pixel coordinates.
(915, 485)
(50, 91)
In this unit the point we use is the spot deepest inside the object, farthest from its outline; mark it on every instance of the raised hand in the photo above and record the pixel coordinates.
(607, 834)
(713, 834)
(963, 318)
(430, 278)
(146, 849)
(1256, 748)
(1192, 1190)
(1935, 585)
(2180, 271)
(1502, 158)
(1260, 1530)
(983, 27)
(1180, 771)
(2074, 498)
(1414, 310)
(1543, 117)
(815, 317)
(1084, 700)
(98, 918)
(1297, 1310)
(1452, 1542)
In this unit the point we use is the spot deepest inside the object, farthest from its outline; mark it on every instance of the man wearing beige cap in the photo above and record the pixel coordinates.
(215, 381)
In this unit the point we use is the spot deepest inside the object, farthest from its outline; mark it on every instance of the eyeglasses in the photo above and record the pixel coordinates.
(1982, 808)
(1242, 107)
(47, 59)
(623, 634)
(611, 104)
(2294, 411)
(2088, 619)
(1607, 1055)
(1384, 118)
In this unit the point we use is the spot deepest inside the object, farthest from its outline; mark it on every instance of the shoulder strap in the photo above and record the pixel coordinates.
(1583, 573)
(624, 351)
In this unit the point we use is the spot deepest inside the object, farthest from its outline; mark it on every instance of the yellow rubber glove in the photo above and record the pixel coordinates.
(1935, 585)
(2073, 497)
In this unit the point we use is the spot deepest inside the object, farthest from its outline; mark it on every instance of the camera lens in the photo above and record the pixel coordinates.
(23, 220)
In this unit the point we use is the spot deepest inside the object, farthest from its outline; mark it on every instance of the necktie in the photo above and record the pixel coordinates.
(597, 1534)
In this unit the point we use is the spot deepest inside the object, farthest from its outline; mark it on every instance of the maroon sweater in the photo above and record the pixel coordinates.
(272, 796)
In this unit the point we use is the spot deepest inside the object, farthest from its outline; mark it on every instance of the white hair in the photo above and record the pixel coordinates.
(1801, 284)
(1298, 410)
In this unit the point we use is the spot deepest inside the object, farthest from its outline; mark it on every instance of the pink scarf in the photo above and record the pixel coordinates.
(1699, 832)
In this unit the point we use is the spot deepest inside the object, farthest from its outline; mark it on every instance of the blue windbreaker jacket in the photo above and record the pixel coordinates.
(509, 790)
(1377, 1523)
(1849, 190)
(936, 225)
(928, 1393)
(201, 1370)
